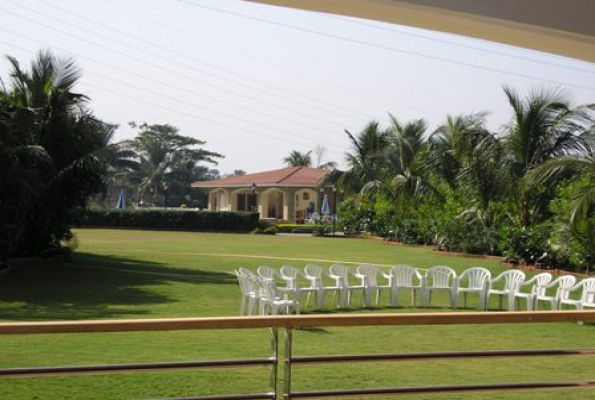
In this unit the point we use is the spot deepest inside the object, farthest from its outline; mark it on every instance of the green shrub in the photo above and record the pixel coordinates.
(171, 220)
(295, 228)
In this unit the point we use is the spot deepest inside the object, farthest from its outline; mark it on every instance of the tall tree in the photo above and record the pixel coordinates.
(62, 150)
(166, 156)
(298, 159)
(401, 177)
(543, 126)
(366, 159)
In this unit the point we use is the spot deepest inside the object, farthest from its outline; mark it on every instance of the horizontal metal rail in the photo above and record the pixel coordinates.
(255, 396)
(439, 356)
(296, 321)
(342, 394)
(124, 368)
(289, 323)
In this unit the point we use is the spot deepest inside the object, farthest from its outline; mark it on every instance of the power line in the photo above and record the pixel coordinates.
(243, 120)
(278, 67)
(169, 85)
(383, 47)
(451, 43)
(192, 78)
(349, 112)
(181, 112)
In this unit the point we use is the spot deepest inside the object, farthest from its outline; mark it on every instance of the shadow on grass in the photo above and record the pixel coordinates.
(91, 287)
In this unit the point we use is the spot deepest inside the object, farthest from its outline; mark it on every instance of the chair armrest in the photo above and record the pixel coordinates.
(530, 281)
(575, 287)
(552, 284)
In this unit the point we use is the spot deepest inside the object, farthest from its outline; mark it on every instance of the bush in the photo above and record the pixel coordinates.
(171, 220)
(295, 228)
(525, 244)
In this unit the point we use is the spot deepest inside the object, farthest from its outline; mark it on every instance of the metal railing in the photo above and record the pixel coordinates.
(288, 323)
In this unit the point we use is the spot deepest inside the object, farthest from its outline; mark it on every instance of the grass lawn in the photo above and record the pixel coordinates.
(139, 274)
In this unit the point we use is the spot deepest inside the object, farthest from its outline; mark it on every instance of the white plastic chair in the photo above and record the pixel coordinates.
(476, 280)
(436, 278)
(315, 274)
(402, 277)
(268, 273)
(256, 290)
(539, 287)
(512, 284)
(245, 292)
(340, 273)
(275, 300)
(587, 298)
(291, 274)
(368, 274)
(562, 285)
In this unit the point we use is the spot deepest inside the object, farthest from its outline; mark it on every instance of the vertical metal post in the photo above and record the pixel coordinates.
(275, 357)
(287, 371)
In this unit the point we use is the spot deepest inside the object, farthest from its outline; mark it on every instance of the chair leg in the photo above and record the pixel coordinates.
(465, 299)
(320, 298)
(394, 297)
(242, 305)
(482, 301)
(511, 306)
(500, 301)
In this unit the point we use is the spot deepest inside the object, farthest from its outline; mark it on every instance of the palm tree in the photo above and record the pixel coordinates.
(298, 159)
(575, 169)
(161, 151)
(401, 176)
(451, 146)
(64, 148)
(544, 126)
(365, 162)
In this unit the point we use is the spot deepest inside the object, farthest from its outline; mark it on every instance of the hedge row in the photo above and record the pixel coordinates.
(210, 221)
(295, 228)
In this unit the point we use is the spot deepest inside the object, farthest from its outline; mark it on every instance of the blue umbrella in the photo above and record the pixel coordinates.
(325, 209)
(121, 200)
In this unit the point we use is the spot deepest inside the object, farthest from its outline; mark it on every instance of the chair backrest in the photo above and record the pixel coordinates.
(541, 281)
(342, 271)
(512, 279)
(270, 290)
(242, 282)
(314, 271)
(564, 283)
(246, 271)
(440, 276)
(476, 277)
(588, 295)
(253, 285)
(267, 273)
(290, 274)
(402, 275)
(370, 272)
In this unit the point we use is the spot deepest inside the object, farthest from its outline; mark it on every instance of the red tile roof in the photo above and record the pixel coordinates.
(286, 177)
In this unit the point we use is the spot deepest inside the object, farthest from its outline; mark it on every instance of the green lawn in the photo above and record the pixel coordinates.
(138, 274)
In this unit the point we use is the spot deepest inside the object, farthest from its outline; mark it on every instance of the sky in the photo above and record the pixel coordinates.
(256, 82)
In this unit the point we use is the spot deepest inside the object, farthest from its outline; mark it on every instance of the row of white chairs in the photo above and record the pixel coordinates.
(477, 280)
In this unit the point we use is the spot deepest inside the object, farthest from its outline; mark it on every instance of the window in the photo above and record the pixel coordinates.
(306, 196)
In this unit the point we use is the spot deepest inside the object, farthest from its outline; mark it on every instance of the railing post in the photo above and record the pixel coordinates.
(287, 371)
(275, 357)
